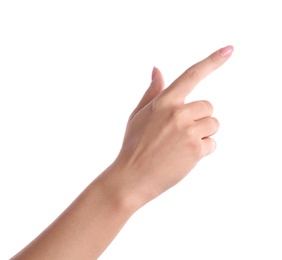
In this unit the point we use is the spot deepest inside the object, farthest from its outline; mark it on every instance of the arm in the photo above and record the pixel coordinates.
(161, 129)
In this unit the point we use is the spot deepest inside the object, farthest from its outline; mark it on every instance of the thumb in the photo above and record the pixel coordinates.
(155, 88)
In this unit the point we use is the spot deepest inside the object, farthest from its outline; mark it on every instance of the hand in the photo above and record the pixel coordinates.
(165, 138)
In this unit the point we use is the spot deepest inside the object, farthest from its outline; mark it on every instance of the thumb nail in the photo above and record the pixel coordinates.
(154, 72)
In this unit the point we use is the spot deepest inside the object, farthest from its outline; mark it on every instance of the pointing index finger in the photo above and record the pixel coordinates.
(186, 82)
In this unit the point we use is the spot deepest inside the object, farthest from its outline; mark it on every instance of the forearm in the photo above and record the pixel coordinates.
(87, 226)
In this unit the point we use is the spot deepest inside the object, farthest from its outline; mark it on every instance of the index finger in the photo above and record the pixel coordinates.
(186, 82)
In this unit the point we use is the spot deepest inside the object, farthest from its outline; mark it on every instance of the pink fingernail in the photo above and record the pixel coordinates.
(154, 73)
(226, 51)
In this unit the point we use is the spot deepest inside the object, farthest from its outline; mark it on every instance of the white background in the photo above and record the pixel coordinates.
(71, 72)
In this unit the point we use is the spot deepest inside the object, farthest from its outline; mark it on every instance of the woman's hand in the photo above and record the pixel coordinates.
(165, 138)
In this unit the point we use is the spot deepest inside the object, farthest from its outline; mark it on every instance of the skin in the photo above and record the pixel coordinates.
(161, 129)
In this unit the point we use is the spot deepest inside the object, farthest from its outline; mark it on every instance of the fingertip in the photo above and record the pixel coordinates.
(226, 51)
(157, 78)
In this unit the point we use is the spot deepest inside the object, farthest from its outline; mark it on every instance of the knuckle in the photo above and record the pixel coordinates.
(215, 123)
(158, 103)
(214, 59)
(200, 152)
(177, 113)
(207, 106)
(190, 133)
(197, 149)
(194, 143)
(177, 118)
(193, 73)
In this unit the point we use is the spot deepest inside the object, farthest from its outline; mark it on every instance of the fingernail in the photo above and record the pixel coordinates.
(226, 51)
(154, 73)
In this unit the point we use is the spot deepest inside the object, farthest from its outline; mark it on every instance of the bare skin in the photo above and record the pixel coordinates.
(165, 138)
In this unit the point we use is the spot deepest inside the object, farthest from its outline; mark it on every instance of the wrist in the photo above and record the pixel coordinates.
(119, 189)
